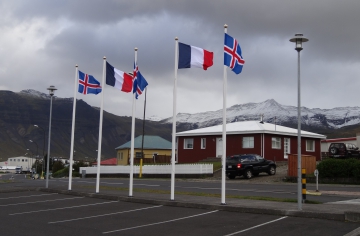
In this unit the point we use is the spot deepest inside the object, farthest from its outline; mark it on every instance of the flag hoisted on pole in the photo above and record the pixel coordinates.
(85, 84)
(100, 130)
(233, 59)
(186, 56)
(139, 85)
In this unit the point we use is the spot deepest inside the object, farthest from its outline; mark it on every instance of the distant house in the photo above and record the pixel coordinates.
(271, 141)
(153, 145)
(107, 162)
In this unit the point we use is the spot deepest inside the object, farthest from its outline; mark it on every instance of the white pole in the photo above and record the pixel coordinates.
(73, 126)
(100, 128)
(224, 135)
(172, 197)
(132, 139)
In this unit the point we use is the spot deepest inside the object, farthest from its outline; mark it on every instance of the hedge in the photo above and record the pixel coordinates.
(339, 168)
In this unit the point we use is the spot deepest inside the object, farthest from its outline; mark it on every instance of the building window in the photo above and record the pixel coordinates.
(248, 142)
(276, 143)
(22, 160)
(203, 143)
(310, 145)
(188, 143)
(26, 160)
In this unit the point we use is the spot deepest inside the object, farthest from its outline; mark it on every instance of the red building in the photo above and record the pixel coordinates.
(271, 141)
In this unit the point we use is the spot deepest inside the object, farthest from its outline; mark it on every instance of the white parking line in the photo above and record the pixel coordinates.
(238, 232)
(88, 217)
(54, 209)
(23, 203)
(28, 196)
(351, 201)
(163, 222)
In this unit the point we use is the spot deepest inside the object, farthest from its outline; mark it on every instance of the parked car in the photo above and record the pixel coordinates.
(248, 165)
(343, 150)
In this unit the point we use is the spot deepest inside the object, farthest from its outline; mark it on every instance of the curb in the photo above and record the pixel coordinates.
(346, 216)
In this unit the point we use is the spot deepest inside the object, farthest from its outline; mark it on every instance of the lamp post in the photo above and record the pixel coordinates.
(37, 147)
(298, 40)
(44, 143)
(51, 93)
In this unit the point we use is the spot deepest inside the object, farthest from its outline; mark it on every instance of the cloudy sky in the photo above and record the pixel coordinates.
(41, 42)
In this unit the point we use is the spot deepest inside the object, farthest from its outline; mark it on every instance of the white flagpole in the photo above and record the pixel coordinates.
(132, 139)
(100, 127)
(172, 197)
(73, 126)
(224, 134)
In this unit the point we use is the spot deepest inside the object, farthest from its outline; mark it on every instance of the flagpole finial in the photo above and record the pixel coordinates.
(104, 57)
(176, 38)
(76, 65)
(136, 49)
(225, 26)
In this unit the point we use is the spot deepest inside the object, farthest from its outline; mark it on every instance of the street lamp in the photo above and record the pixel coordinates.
(44, 138)
(298, 40)
(37, 147)
(51, 93)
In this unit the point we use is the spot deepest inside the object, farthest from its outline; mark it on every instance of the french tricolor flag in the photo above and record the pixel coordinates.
(118, 79)
(191, 56)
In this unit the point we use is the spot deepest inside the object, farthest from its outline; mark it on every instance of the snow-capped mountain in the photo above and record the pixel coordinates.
(274, 112)
(32, 92)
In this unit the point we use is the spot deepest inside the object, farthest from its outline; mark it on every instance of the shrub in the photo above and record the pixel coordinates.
(339, 168)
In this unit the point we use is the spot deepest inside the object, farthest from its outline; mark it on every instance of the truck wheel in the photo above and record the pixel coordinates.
(248, 174)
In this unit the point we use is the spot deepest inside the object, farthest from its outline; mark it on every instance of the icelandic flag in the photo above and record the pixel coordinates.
(232, 54)
(191, 56)
(140, 82)
(118, 79)
(88, 84)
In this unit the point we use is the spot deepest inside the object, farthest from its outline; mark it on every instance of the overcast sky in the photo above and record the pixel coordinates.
(41, 42)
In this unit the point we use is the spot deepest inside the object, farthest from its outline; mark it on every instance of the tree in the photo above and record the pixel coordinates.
(57, 165)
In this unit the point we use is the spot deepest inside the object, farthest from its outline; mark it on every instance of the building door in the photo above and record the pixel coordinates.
(219, 147)
(286, 147)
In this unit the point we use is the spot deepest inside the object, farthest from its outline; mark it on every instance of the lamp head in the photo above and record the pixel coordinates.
(51, 90)
(298, 40)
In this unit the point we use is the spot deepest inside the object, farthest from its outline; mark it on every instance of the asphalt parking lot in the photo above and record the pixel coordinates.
(42, 213)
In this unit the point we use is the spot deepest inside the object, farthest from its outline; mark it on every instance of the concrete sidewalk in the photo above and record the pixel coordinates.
(338, 212)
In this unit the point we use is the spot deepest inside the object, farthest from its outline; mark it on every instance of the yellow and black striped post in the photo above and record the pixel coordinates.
(303, 181)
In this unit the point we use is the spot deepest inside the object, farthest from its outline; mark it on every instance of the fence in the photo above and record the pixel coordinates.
(307, 162)
(153, 169)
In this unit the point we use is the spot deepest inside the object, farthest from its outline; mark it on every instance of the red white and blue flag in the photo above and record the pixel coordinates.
(140, 82)
(232, 54)
(191, 56)
(88, 84)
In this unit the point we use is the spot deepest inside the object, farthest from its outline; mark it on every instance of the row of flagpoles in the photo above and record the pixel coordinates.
(186, 56)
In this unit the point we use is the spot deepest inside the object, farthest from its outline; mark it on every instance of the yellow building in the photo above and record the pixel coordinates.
(153, 145)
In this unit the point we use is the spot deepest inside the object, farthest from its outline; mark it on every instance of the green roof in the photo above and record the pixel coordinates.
(150, 142)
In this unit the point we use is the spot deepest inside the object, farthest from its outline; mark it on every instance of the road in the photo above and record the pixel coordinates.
(40, 213)
(237, 187)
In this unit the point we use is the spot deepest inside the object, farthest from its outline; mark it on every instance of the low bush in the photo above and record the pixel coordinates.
(339, 168)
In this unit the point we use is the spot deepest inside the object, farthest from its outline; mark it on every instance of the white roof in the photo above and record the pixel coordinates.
(249, 127)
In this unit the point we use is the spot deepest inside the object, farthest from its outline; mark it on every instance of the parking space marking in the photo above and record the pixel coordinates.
(28, 196)
(351, 201)
(162, 222)
(14, 204)
(256, 226)
(54, 209)
(88, 217)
